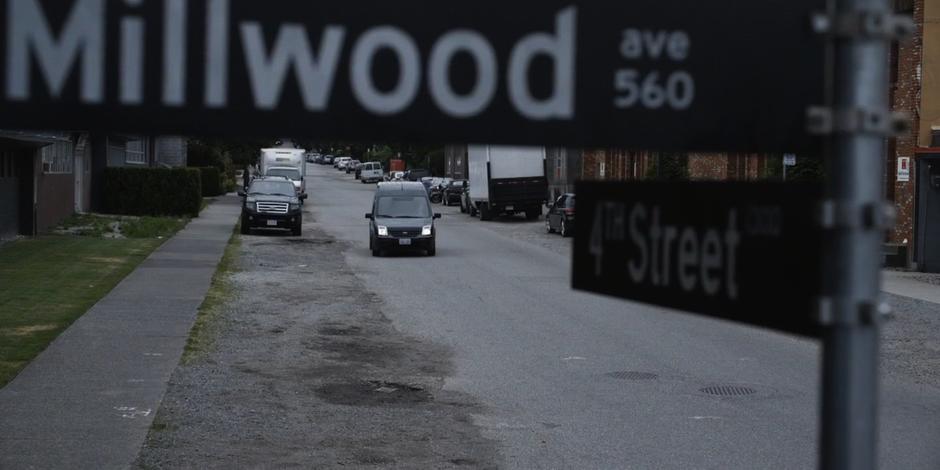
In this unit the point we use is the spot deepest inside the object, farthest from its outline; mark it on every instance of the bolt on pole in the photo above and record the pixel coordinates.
(852, 242)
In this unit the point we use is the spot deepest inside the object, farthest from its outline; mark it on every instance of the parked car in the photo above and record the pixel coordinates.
(341, 162)
(351, 166)
(371, 172)
(560, 216)
(271, 203)
(401, 218)
(327, 160)
(435, 194)
(451, 193)
(398, 176)
(417, 174)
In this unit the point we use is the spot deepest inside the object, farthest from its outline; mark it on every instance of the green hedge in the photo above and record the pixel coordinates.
(153, 191)
(211, 181)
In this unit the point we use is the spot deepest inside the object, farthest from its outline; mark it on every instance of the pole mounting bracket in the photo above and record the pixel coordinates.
(821, 120)
(862, 312)
(834, 215)
(864, 24)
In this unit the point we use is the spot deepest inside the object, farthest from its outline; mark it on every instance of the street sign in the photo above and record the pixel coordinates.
(904, 169)
(722, 75)
(789, 159)
(745, 252)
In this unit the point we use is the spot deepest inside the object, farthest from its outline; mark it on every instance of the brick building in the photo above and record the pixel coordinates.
(914, 72)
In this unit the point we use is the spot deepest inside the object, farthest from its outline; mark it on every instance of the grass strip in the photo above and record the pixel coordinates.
(203, 333)
(48, 282)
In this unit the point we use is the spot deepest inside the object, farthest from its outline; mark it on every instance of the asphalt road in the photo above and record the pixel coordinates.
(571, 380)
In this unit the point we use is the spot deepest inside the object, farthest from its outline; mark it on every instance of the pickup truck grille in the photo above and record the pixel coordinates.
(273, 207)
(404, 232)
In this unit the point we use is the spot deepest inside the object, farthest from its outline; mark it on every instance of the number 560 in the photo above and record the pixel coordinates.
(677, 92)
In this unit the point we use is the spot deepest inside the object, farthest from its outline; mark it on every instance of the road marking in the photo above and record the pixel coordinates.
(574, 358)
(701, 418)
(131, 412)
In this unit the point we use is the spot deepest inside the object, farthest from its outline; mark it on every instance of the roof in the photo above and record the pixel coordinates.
(404, 187)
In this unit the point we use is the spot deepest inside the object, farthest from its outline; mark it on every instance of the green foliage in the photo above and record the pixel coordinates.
(152, 227)
(111, 226)
(201, 154)
(669, 167)
(153, 191)
(807, 169)
(211, 181)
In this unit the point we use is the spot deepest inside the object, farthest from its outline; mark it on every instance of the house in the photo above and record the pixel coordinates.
(124, 150)
(47, 176)
(37, 180)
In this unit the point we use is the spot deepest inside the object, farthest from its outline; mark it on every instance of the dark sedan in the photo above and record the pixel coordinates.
(560, 216)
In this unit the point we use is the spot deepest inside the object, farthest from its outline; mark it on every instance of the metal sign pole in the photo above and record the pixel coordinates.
(854, 216)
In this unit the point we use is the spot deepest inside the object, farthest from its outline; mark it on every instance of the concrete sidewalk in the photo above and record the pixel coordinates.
(88, 400)
(914, 285)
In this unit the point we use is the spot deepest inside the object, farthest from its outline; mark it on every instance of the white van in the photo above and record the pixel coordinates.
(372, 172)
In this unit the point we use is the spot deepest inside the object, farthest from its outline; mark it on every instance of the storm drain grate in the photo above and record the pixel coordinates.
(728, 391)
(632, 375)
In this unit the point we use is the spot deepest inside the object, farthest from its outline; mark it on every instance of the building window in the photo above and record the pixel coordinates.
(7, 168)
(58, 158)
(135, 152)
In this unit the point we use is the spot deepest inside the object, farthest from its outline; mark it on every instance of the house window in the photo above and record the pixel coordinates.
(135, 152)
(58, 158)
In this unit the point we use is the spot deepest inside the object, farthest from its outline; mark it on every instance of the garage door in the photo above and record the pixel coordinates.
(9, 196)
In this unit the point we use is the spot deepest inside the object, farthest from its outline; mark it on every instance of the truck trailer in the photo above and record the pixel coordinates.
(286, 162)
(507, 180)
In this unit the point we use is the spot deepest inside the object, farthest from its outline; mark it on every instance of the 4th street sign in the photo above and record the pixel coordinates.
(667, 74)
(746, 252)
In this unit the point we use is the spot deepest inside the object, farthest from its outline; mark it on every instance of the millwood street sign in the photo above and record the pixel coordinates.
(747, 252)
(665, 74)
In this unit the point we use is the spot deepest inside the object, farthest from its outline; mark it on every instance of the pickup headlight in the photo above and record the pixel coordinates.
(383, 231)
(426, 231)
(294, 206)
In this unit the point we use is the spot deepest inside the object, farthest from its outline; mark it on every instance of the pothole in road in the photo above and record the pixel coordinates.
(728, 391)
(631, 375)
(373, 393)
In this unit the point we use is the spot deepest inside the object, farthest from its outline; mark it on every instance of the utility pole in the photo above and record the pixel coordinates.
(854, 216)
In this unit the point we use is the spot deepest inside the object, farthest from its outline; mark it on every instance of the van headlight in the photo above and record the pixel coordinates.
(426, 231)
(383, 231)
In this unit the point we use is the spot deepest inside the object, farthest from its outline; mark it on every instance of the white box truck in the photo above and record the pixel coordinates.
(507, 180)
(286, 162)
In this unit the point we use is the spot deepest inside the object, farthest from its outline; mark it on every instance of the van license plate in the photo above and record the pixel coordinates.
(404, 242)
(272, 223)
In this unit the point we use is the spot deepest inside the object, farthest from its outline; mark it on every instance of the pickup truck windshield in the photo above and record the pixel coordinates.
(285, 172)
(402, 207)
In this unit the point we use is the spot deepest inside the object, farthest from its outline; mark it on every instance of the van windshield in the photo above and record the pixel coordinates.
(402, 207)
